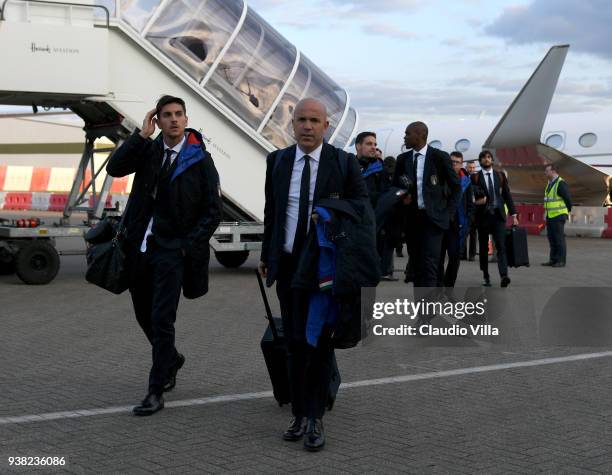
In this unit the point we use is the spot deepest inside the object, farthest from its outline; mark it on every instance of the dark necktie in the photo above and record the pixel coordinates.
(491, 192)
(302, 224)
(167, 162)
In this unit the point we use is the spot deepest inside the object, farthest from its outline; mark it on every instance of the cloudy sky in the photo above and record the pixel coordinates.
(407, 59)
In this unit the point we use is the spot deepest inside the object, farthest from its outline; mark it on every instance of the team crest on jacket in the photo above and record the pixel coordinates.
(434, 180)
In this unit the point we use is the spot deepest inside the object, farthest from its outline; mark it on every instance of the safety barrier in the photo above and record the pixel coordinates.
(61, 180)
(17, 201)
(587, 221)
(107, 204)
(40, 179)
(18, 179)
(532, 218)
(50, 201)
(608, 231)
(2, 176)
(58, 201)
(40, 201)
(119, 185)
(54, 179)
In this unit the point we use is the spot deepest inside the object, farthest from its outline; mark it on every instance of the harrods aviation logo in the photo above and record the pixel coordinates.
(37, 48)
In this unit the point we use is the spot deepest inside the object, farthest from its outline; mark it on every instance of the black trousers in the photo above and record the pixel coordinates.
(471, 242)
(450, 246)
(155, 296)
(385, 252)
(424, 242)
(555, 231)
(310, 369)
(493, 224)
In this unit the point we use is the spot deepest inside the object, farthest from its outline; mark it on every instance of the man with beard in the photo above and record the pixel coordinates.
(492, 194)
(377, 182)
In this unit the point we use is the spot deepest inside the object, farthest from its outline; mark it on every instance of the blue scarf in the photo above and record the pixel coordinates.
(373, 167)
(323, 308)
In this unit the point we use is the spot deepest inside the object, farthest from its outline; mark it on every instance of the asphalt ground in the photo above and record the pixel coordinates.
(73, 362)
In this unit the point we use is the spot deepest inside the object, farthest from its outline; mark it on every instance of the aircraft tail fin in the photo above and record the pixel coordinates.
(523, 121)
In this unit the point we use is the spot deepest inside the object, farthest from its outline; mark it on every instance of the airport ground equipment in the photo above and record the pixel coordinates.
(109, 61)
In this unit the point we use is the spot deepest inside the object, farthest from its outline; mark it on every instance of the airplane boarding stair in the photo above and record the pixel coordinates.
(110, 61)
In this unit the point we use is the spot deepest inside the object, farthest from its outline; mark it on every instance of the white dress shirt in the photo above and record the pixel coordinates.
(176, 150)
(293, 201)
(419, 174)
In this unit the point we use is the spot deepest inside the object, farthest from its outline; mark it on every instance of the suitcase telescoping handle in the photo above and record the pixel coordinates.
(267, 305)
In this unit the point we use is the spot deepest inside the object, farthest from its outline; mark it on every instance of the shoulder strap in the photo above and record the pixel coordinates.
(343, 162)
(501, 177)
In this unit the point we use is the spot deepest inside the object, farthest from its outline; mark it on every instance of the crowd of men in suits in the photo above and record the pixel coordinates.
(446, 205)
(316, 197)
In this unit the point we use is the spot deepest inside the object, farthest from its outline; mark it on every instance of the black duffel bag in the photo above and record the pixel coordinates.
(106, 265)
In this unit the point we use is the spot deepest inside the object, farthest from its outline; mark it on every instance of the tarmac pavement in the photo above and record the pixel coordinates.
(74, 362)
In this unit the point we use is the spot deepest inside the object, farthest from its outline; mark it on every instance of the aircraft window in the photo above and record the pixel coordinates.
(555, 141)
(463, 145)
(138, 12)
(588, 140)
(253, 71)
(309, 81)
(347, 128)
(193, 32)
(435, 144)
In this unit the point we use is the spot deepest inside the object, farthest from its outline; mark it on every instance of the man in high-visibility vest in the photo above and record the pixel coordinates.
(557, 204)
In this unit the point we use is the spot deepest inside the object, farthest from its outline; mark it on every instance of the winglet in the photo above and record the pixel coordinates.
(523, 121)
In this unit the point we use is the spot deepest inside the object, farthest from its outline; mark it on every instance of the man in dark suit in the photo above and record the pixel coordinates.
(296, 178)
(468, 250)
(433, 202)
(457, 232)
(492, 195)
(174, 209)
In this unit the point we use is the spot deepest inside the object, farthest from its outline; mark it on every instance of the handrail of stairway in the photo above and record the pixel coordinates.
(66, 4)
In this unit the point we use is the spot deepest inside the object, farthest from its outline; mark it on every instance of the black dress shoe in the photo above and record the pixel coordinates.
(486, 282)
(549, 263)
(505, 281)
(295, 431)
(151, 404)
(180, 361)
(472, 258)
(399, 254)
(558, 264)
(314, 438)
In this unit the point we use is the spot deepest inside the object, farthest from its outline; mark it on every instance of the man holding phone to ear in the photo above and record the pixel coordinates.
(174, 209)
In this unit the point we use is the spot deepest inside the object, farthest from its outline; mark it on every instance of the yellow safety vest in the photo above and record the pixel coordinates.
(553, 203)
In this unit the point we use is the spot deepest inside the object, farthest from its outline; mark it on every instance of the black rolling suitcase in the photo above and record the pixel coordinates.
(517, 251)
(275, 355)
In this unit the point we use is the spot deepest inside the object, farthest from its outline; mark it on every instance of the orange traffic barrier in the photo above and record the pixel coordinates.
(17, 201)
(57, 201)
